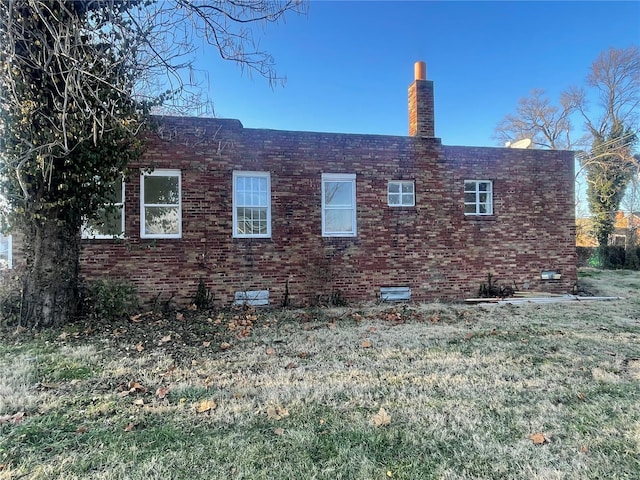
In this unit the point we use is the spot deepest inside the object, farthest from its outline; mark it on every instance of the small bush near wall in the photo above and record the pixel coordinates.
(203, 298)
(584, 255)
(109, 299)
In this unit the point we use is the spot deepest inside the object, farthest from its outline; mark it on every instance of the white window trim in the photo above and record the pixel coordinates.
(340, 177)
(243, 173)
(161, 173)
(489, 203)
(401, 182)
(87, 233)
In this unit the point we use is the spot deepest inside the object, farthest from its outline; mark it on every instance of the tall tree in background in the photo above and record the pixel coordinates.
(77, 81)
(611, 125)
(610, 165)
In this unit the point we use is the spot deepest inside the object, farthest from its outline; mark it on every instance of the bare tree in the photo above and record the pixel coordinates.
(78, 79)
(547, 125)
(606, 150)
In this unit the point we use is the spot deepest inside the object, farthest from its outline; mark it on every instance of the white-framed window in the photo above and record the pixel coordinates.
(338, 205)
(251, 204)
(6, 251)
(161, 204)
(478, 197)
(110, 220)
(401, 193)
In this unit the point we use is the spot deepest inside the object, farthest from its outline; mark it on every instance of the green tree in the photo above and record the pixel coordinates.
(77, 82)
(611, 123)
(610, 168)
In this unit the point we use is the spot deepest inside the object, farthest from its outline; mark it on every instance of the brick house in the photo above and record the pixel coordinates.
(624, 233)
(307, 217)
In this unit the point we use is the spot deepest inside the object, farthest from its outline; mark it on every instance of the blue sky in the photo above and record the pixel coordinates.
(349, 64)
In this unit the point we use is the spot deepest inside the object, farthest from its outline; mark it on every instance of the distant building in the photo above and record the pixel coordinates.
(625, 231)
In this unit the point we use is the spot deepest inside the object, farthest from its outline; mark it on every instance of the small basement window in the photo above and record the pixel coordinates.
(395, 294)
(254, 298)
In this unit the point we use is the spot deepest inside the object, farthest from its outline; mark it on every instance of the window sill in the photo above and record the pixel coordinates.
(403, 208)
(252, 239)
(480, 218)
(102, 239)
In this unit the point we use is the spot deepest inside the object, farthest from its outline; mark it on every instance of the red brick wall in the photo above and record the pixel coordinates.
(432, 247)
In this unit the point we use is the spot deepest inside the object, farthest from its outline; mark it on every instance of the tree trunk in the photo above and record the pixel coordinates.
(50, 283)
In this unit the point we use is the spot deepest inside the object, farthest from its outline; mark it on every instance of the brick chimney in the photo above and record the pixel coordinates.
(421, 115)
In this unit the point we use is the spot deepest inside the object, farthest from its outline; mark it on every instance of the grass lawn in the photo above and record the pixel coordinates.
(434, 391)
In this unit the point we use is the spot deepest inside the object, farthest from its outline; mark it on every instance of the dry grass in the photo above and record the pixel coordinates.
(464, 389)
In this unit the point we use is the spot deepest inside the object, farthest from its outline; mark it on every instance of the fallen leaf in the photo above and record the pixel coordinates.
(81, 430)
(291, 365)
(139, 347)
(538, 438)
(17, 418)
(135, 387)
(225, 346)
(162, 392)
(138, 402)
(389, 474)
(584, 449)
(206, 406)
(381, 418)
(206, 344)
(366, 344)
(278, 431)
(372, 329)
(277, 412)
(193, 307)
(165, 339)
(129, 427)
(179, 316)
(270, 351)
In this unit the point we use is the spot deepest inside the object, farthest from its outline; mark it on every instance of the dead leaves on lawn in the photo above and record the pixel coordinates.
(381, 419)
(162, 392)
(206, 406)
(15, 419)
(538, 438)
(130, 388)
(277, 412)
